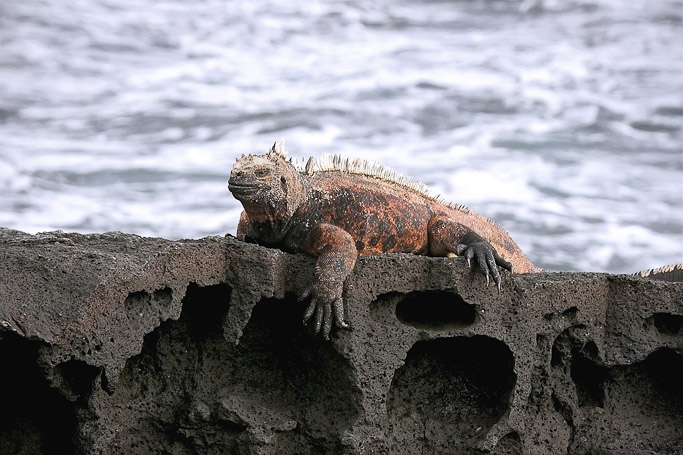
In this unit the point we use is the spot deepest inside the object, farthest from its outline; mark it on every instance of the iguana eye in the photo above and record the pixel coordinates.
(261, 172)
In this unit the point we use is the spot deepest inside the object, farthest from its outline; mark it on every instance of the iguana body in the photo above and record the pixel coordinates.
(337, 210)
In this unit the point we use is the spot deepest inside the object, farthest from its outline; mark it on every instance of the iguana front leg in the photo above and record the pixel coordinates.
(448, 238)
(336, 253)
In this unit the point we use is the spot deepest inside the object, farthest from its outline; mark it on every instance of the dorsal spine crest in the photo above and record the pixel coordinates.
(278, 149)
(665, 269)
(359, 166)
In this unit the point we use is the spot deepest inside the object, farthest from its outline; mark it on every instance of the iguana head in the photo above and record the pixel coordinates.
(267, 183)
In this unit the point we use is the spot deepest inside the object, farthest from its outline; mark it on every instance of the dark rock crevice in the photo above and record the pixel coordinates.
(34, 417)
(432, 310)
(205, 395)
(668, 324)
(453, 387)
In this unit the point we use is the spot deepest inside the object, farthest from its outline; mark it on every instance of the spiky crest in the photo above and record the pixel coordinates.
(359, 166)
(660, 270)
(278, 149)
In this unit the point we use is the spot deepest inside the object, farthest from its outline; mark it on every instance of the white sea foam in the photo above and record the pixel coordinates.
(562, 120)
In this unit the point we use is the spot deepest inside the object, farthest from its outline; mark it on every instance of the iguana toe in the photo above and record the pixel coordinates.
(487, 259)
(308, 312)
(325, 311)
(338, 306)
(327, 320)
(318, 319)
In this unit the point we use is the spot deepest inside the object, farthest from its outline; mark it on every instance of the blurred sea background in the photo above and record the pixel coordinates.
(561, 120)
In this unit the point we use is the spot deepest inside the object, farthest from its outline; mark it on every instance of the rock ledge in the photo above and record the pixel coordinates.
(113, 343)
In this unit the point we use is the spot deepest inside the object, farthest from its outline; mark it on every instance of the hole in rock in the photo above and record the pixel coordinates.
(570, 312)
(35, 418)
(645, 400)
(143, 302)
(190, 391)
(658, 380)
(435, 310)
(77, 378)
(589, 379)
(578, 356)
(669, 324)
(460, 387)
(205, 308)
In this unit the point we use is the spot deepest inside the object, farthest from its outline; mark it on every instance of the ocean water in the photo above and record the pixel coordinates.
(561, 120)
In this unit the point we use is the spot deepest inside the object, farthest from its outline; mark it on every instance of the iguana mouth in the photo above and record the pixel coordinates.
(242, 188)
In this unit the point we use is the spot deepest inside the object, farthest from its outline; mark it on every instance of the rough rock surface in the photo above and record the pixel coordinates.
(114, 343)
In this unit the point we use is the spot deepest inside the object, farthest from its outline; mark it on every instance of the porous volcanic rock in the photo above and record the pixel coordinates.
(118, 344)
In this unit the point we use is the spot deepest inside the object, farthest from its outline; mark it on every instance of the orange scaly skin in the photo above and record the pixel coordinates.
(337, 214)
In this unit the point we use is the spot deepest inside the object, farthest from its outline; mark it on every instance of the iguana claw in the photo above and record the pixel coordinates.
(326, 312)
(487, 259)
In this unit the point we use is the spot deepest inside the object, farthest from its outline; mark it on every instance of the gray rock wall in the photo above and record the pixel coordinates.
(114, 343)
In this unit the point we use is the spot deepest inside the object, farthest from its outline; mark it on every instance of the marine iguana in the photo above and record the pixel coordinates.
(338, 209)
